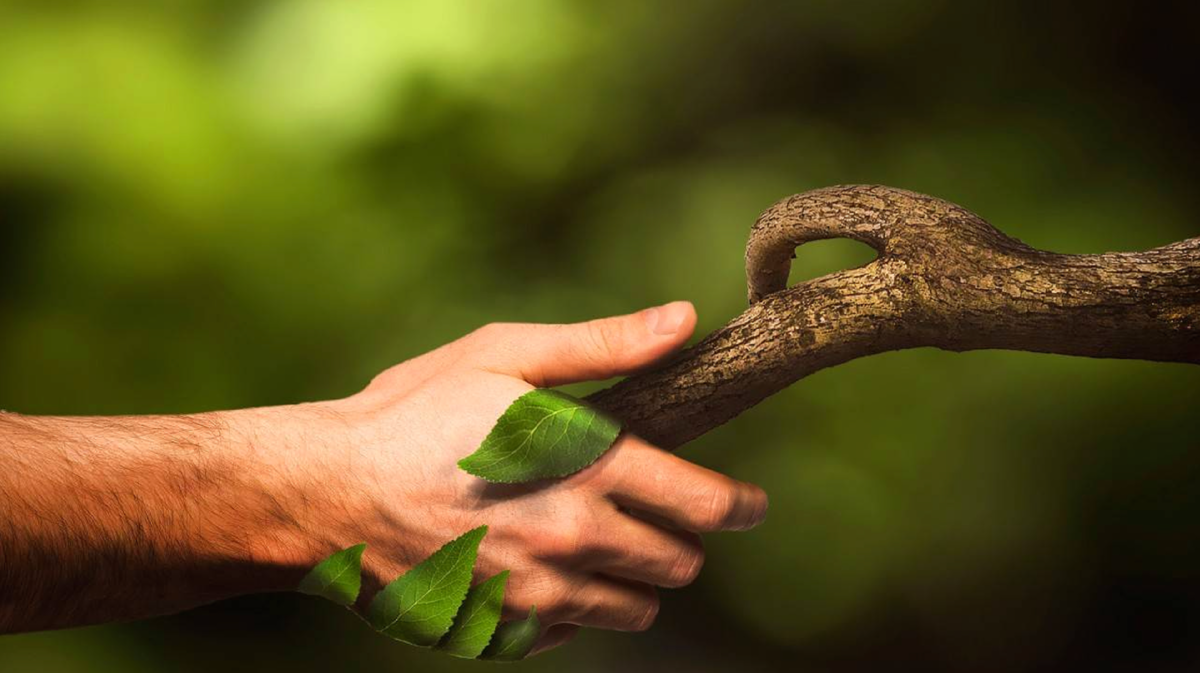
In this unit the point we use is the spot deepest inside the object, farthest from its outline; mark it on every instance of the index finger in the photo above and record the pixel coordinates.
(695, 498)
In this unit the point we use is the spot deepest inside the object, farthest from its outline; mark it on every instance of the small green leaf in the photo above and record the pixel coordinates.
(337, 578)
(514, 640)
(544, 433)
(419, 606)
(477, 619)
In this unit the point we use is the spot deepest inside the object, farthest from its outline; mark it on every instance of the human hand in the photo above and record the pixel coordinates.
(381, 467)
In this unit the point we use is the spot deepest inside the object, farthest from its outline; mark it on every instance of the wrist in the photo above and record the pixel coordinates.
(292, 465)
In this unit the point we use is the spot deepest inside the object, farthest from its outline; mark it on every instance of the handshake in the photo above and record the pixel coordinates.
(588, 550)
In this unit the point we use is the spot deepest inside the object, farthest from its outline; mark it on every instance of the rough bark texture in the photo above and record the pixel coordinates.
(943, 277)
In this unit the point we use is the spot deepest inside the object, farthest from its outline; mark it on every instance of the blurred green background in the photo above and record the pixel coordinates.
(208, 205)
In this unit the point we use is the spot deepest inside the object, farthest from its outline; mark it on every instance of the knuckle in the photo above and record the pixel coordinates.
(564, 538)
(603, 340)
(610, 467)
(494, 342)
(717, 508)
(549, 600)
(386, 378)
(686, 568)
(649, 613)
(486, 332)
(555, 543)
(520, 601)
(552, 596)
(493, 332)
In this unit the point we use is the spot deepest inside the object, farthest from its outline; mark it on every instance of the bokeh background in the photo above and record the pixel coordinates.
(208, 205)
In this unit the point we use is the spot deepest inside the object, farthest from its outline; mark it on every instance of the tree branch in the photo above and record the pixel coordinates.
(944, 277)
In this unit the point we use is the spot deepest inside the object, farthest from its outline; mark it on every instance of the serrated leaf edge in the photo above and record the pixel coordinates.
(504, 574)
(357, 561)
(469, 469)
(501, 655)
(482, 532)
(362, 548)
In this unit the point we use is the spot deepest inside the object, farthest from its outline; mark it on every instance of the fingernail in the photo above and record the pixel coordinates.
(762, 514)
(666, 319)
(759, 515)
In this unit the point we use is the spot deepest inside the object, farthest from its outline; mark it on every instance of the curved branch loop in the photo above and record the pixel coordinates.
(944, 278)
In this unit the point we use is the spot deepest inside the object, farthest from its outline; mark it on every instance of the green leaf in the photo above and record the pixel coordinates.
(337, 578)
(477, 619)
(544, 433)
(514, 640)
(419, 606)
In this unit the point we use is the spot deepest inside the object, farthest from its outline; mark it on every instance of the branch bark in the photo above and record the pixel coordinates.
(943, 277)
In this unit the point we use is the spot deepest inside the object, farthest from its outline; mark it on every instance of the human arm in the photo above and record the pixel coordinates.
(121, 518)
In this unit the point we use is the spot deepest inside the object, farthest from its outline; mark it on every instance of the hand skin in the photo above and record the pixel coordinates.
(117, 518)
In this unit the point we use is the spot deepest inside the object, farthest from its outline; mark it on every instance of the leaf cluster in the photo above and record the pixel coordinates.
(433, 604)
(543, 434)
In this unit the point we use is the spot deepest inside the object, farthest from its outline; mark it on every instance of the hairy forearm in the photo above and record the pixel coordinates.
(118, 518)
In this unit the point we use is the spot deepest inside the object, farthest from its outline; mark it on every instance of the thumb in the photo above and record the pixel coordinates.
(550, 355)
